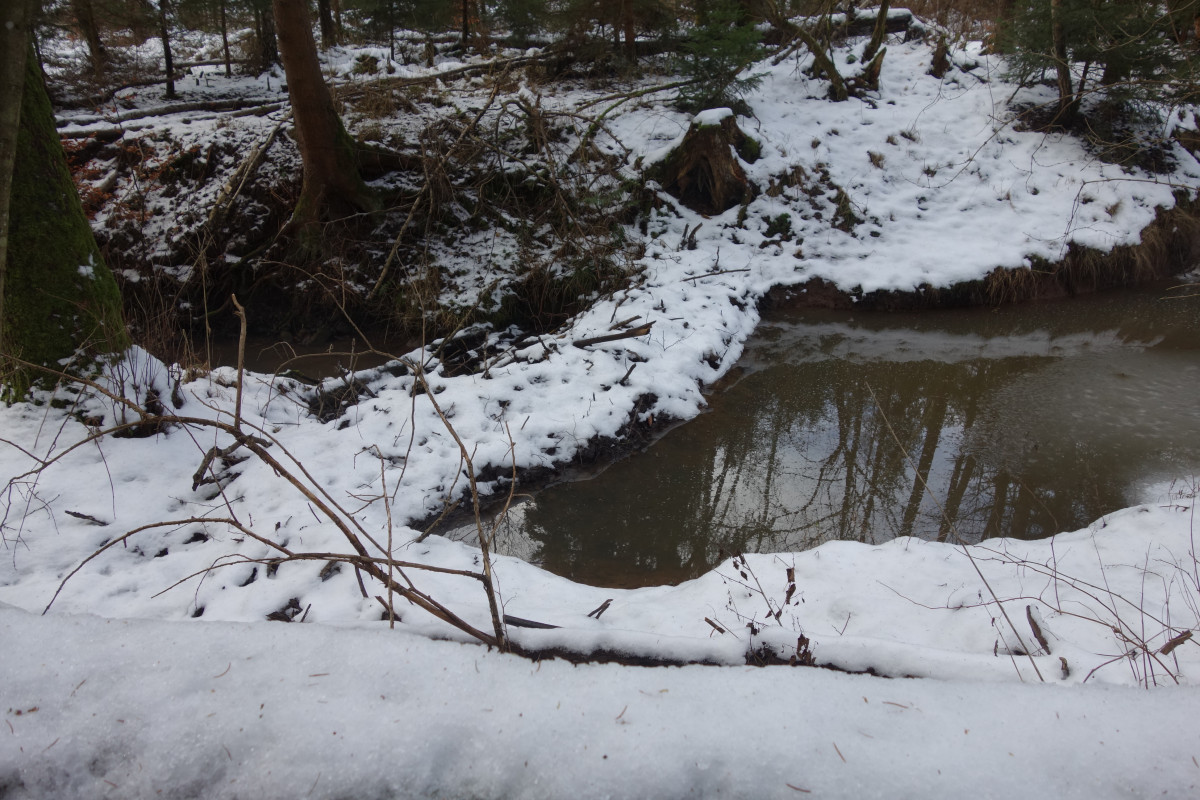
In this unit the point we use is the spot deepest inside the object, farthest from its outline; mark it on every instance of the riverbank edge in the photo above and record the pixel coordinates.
(1170, 246)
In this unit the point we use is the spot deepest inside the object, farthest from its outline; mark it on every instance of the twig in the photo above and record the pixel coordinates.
(501, 638)
(963, 546)
(241, 361)
(718, 272)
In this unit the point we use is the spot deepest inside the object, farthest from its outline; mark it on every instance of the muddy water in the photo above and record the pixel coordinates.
(1019, 422)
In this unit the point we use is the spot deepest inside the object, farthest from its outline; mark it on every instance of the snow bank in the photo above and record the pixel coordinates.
(127, 708)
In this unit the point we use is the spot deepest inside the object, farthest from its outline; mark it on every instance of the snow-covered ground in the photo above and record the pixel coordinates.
(122, 708)
(112, 694)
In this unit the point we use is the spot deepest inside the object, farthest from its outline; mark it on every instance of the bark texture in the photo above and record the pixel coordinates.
(85, 18)
(332, 185)
(164, 33)
(328, 32)
(60, 298)
(14, 38)
(266, 45)
(702, 171)
(225, 40)
(1068, 103)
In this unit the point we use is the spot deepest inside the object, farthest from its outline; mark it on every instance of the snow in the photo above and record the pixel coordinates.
(113, 693)
(125, 708)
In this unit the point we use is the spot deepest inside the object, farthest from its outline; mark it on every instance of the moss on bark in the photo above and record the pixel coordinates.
(702, 171)
(60, 298)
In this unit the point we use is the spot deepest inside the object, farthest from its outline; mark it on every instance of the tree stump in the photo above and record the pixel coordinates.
(705, 172)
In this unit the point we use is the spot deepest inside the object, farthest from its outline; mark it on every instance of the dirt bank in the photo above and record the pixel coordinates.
(1170, 246)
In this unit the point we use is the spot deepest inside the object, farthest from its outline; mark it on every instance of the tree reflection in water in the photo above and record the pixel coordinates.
(1021, 427)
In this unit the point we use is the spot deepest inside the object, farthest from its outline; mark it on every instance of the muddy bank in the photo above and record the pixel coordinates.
(592, 457)
(1170, 246)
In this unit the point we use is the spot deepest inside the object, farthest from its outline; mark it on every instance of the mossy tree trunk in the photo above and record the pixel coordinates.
(879, 33)
(15, 26)
(332, 186)
(59, 299)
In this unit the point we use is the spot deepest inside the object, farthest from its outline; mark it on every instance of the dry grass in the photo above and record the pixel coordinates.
(1168, 247)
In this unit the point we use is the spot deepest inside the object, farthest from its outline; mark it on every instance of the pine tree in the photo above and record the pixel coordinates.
(714, 56)
(523, 18)
(1126, 50)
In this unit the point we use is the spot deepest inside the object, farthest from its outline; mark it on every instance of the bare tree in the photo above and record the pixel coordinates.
(164, 33)
(85, 19)
(332, 185)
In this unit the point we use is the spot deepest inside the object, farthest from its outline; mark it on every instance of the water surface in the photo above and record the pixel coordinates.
(951, 425)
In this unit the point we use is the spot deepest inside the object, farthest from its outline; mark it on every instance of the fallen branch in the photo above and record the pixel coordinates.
(632, 333)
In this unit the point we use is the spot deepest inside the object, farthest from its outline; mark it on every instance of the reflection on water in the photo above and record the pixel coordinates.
(1022, 422)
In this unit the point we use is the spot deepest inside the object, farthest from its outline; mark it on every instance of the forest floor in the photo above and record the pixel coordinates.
(924, 185)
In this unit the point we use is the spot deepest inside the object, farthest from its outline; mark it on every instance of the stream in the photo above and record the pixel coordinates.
(1021, 421)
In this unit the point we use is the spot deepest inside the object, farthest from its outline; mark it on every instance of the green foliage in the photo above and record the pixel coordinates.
(382, 17)
(1130, 48)
(780, 226)
(713, 58)
(523, 18)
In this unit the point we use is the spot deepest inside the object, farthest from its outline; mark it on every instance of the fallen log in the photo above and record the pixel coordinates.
(165, 111)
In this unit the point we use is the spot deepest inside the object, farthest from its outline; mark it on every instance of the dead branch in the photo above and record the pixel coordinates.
(501, 637)
(612, 337)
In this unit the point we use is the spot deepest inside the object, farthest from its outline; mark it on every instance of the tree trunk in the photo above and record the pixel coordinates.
(328, 34)
(823, 64)
(1068, 104)
(629, 26)
(466, 23)
(14, 35)
(332, 185)
(164, 33)
(225, 41)
(59, 297)
(266, 44)
(85, 18)
(880, 32)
